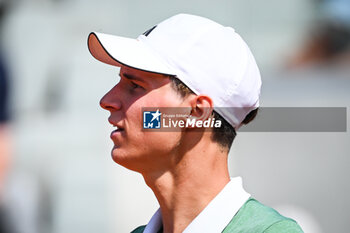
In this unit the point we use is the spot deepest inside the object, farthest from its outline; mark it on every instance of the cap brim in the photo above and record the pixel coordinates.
(118, 51)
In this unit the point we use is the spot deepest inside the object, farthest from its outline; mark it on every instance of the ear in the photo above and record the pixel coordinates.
(202, 107)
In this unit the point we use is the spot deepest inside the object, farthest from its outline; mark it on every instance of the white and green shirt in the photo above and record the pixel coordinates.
(231, 211)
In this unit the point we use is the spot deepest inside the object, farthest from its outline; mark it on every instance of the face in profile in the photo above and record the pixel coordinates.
(135, 148)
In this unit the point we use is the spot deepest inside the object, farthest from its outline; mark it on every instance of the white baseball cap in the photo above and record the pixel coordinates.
(209, 58)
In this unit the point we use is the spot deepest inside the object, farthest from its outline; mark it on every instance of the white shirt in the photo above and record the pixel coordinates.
(216, 215)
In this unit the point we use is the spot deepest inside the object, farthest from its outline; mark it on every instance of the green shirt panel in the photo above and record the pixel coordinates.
(254, 217)
(140, 229)
(284, 226)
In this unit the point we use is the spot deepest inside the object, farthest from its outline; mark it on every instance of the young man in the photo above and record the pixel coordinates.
(206, 72)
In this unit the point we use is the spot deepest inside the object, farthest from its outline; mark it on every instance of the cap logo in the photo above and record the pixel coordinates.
(146, 33)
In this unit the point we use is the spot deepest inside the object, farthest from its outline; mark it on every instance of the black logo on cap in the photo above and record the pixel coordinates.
(146, 33)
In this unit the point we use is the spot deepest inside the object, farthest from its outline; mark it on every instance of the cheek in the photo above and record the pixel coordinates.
(155, 102)
(155, 143)
(162, 97)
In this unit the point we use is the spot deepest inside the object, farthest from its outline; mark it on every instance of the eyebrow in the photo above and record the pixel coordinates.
(132, 77)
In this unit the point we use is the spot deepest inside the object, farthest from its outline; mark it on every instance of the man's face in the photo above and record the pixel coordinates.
(135, 148)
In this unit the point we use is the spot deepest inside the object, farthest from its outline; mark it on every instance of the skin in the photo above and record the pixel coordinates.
(184, 169)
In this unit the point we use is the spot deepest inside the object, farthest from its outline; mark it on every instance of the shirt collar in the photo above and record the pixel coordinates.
(216, 215)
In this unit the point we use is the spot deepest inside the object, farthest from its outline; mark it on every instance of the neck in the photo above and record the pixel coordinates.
(189, 184)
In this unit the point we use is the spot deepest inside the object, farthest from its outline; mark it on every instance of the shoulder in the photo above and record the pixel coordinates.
(256, 217)
(284, 226)
(140, 229)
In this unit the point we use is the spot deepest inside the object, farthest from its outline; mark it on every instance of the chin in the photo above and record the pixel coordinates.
(117, 156)
(123, 159)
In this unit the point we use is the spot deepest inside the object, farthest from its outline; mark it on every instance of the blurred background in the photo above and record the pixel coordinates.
(56, 174)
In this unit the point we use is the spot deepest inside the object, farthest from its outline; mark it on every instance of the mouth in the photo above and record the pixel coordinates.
(115, 125)
(118, 128)
(118, 131)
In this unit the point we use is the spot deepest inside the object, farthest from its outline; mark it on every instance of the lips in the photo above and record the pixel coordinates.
(117, 136)
(117, 132)
(115, 124)
(118, 129)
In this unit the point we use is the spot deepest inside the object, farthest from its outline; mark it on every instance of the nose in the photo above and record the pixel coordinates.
(110, 101)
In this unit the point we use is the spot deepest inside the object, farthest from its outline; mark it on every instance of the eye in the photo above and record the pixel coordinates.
(135, 86)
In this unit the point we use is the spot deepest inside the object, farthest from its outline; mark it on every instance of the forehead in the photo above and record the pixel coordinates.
(142, 76)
